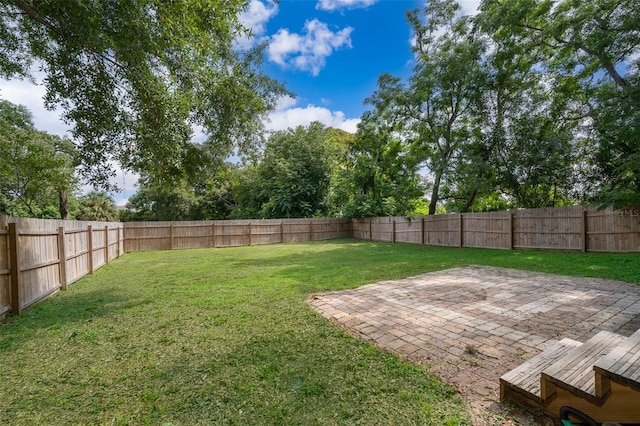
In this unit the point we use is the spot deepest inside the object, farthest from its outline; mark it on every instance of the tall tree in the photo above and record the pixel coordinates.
(592, 47)
(295, 171)
(443, 88)
(97, 206)
(36, 169)
(380, 176)
(132, 77)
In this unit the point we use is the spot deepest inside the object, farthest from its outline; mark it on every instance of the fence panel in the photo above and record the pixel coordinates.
(186, 235)
(266, 232)
(548, 228)
(330, 228)
(442, 230)
(382, 229)
(5, 283)
(408, 230)
(77, 254)
(146, 236)
(613, 230)
(360, 229)
(296, 230)
(39, 270)
(491, 230)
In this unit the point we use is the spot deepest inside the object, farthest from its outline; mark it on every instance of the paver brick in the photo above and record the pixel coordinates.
(471, 325)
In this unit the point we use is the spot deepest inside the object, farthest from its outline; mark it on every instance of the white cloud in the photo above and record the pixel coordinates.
(31, 95)
(23, 92)
(255, 18)
(291, 117)
(126, 182)
(307, 52)
(469, 7)
(343, 4)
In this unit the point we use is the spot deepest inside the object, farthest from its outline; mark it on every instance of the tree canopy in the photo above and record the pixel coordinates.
(133, 77)
(36, 168)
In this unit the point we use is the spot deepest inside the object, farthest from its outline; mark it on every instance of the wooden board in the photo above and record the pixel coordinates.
(622, 364)
(525, 379)
(574, 371)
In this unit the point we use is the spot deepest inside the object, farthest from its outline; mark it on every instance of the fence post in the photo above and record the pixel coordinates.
(90, 244)
(213, 234)
(422, 231)
(311, 230)
(393, 232)
(171, 238)
(460, 236)
(282, 231)
(370, 233)
(250, 230)
(14, 265)
(62, 255)
(583, 224)
(510, 230)
(106, 245)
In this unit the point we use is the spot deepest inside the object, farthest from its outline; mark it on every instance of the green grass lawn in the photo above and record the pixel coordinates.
(223, 336)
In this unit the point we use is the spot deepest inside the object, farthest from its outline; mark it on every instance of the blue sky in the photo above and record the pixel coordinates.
(329, 53)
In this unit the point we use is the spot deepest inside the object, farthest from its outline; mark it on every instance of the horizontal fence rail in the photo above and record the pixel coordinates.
(39, 257)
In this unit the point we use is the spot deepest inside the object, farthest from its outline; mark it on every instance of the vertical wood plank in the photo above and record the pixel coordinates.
(250, 230)
(62, 255)
(14, 266)
(90, 248)
(118, 240)
(422, 231)
(370, 234)
(281, 231)
(583, 227)
(461, 230)
(311, 230)
(213, 234)
(106, 245)
(171, 237)
(510, 245)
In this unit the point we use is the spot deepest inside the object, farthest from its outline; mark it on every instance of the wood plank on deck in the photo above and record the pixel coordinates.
(574, 371)
(622, 364)
(525, 379)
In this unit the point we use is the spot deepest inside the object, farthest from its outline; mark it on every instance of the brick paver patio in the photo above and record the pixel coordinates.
(473, 324)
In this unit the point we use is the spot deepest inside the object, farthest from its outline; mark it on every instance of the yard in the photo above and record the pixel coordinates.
(224, 336)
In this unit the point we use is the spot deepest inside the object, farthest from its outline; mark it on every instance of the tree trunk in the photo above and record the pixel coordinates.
(435, 193)
(64, 204)
(467, 204)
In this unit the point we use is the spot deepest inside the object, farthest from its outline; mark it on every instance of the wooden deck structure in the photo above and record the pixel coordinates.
(600, 377)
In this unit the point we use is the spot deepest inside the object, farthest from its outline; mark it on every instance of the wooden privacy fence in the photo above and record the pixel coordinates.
(39, 257)
(565, 228)
(144, 236)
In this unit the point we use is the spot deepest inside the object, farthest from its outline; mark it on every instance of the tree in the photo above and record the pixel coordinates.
(442, 89)
(380, 176)
(295, 171)
(36, 169)
(97, 206)
(591, 48)
(133, 77)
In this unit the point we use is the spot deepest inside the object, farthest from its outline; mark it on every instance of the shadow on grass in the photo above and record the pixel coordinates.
(67, 309)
